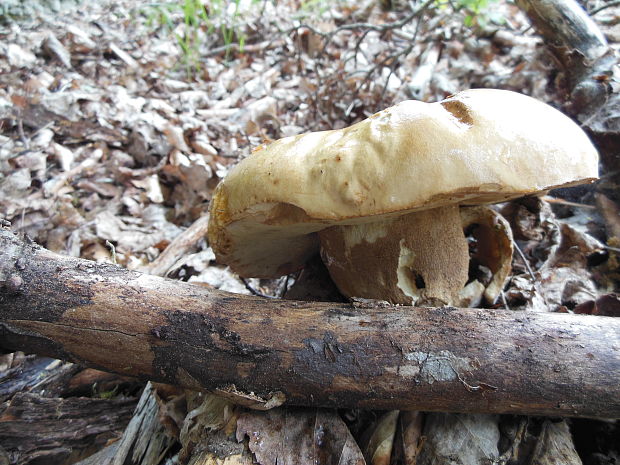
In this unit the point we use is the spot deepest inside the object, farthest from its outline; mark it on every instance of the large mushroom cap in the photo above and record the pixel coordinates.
(476, 147)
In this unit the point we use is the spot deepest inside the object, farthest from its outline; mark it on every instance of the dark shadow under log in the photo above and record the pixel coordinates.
(265, 352)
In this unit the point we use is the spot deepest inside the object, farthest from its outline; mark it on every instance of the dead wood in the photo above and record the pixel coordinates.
(580, 49)
(144, 440)
(57, 431)
(178, 247)
(40, 375)
(265, 352)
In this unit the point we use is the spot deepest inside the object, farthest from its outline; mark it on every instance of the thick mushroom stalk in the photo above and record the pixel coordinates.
(422, 258)
(417, 259)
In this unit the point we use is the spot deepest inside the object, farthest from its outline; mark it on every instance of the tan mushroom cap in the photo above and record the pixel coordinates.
(476, 147)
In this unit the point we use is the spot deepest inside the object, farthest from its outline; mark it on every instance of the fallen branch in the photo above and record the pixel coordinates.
(266, 352)
(580, 48)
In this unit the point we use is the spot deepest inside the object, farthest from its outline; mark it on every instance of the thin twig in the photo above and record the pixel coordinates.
(394, 56)
(366, 26)
(524, 259)
(247, 48)
(603, 7)
(253, 291)
(386, 27)
(22, 134)
(504, 300)
(381, 64)
(180, 246)
(549, 199)
(387, 81)
(358, 44)
(529, 270)
(283, 287)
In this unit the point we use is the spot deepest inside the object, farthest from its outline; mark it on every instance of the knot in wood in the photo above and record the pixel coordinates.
(14, 284)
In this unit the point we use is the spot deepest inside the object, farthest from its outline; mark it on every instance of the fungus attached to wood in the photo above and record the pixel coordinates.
(383, 200)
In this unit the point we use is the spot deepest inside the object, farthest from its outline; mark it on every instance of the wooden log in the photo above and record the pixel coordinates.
(266, 352)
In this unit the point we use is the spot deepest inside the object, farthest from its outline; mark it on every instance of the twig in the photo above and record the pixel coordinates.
(22, 134)
(366, 27)
(112, 250)
(387, 81)
(358, 44)
(549, 199)
(179, 247)
(381, 64)
(386, 27)
(529, 270)
(394, 56)
(603, 7)
(247, 48)
(253, 291)
(504, 300)
(524, 259)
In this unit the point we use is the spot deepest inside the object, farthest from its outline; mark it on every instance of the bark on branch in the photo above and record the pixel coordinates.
(580, 48)
(264, 352)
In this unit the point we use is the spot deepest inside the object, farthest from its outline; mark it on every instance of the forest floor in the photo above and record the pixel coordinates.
(118, 119)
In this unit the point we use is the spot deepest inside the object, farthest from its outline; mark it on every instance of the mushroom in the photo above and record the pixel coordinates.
(383, 199)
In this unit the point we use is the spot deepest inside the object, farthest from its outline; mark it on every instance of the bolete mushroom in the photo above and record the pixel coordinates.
(382, 199)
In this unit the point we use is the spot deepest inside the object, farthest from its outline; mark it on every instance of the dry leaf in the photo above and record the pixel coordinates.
(460, 439)
(81, 41)
(19, 57)
(378, 446)
(299, 437)
(206, 414)
(606, 305)
(55, 49)
(152, 187)
(64, 156)
(201, 144)
(534, 441)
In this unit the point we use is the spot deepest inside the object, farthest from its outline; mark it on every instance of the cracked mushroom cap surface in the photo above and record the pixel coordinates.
(476, 147)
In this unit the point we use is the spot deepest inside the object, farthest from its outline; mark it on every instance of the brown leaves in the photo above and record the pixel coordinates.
(606, 305)
(552, 271)
(299, 436)
(215, 431)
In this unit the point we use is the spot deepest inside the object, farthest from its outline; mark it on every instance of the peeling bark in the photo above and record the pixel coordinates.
(265, 353)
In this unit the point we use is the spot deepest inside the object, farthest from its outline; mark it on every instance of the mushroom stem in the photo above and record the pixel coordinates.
(418, 259)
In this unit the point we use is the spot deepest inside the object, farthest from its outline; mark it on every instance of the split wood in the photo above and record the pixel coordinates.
(266, 352)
